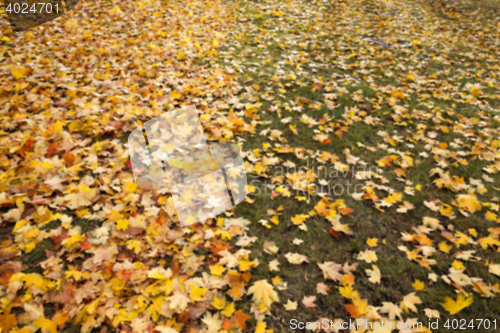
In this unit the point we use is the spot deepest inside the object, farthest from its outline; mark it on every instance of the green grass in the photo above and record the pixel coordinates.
(398, 273)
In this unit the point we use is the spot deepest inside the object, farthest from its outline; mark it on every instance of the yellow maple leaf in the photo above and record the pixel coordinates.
(46, 325)
(76, 274)
(197, 293)
(453, 306)
(263, 293)
(130, 187)
(122, 224)
(358, 308)
(175, 94)
(290, 305)
(458, 265)
(245, 265)
(446, 210)
(444, 247)
(469, 203)
(494, 269)
(277, 281)
(73, 241)
(260, 327)
(490, 216)
(219, 302)
(29, 247)
(347, 291)
(135, 245)
(418, 285)
(217, 269)
(299, 219)
(229, 310)
(372, 242)
(17, 72)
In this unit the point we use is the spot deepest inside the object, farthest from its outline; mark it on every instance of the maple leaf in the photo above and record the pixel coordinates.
(273, 265)
(322, 288)
(468, 203)
(368, 256)
(33, 312)
(372, 242)
(241, 319)
(349, 269)
(228, 259)
(490, 216)
(13, 214)
(358, 308)
(270, 247)
(374, 274)
(122, 224)
(409, 301)
(296, 258)
(430, 313)
(432, 223)
(18, 72)
(418, 285)
(260, 327)
(219, 302)
(229, 310)
(55, 182)
(213, 322)
(299, 219)
(178, 302)
(331, 270)
(309, 301)
(263, 293)
(453, 306)
(7, 320)
(197, 293)
(494, 269)
(391, 309)
(45, 325)
(217, 269)
(245, 265)
(290, 306)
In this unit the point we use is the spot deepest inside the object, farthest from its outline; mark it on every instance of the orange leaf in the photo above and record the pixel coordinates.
(346, 211)
(229, 324)
(335, 233)
(241, 317)
(7, 320)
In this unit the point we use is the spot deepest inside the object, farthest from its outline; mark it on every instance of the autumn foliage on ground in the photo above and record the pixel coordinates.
(400, 96)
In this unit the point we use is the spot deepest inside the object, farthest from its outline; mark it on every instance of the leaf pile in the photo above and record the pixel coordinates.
(82, 245)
